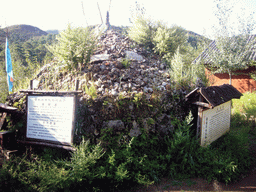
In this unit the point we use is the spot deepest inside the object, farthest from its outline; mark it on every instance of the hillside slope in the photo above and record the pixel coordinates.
(22, 32)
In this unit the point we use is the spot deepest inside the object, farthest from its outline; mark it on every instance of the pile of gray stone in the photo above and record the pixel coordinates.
(118, 66)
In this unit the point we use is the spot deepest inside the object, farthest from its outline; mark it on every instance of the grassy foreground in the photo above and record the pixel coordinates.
(142, 160)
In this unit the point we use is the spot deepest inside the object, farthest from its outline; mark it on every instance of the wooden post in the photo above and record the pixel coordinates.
(31, 85)
(199, 118)
(76, 108)
(2, 119)
(77, 85)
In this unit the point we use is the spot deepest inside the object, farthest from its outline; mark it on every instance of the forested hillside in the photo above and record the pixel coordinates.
(28, 52)
(23, 32)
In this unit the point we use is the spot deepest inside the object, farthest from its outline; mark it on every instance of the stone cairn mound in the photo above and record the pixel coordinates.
(118, 66)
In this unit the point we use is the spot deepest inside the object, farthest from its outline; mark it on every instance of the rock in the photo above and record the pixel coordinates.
(163, 118)
(99, 58)
(135, 131)
(133, 56)
(149, 124)
(116, 125)
(145, 89)
(113, 92)
(150, 90)
(162, 66)
(131, 107)
(164, 84)
(102, 67)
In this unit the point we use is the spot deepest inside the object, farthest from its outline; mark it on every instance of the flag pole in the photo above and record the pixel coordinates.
(8, 61)
(6, 31)
(6, 36)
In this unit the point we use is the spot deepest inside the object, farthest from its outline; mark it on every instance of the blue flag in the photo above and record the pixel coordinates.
(8, 61)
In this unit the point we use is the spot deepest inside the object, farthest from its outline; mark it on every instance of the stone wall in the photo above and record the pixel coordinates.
(130, 116)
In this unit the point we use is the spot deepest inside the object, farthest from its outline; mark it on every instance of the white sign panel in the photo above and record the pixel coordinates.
(215, 123)
(50, 118)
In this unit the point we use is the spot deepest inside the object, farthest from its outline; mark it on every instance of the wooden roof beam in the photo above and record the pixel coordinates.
(202, 104)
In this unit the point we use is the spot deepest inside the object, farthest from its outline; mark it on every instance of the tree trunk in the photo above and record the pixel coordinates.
(230, 77)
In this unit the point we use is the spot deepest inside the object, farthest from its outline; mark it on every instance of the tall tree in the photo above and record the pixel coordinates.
(233, 40)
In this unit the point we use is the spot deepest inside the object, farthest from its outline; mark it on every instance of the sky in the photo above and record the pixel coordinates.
(194, 15)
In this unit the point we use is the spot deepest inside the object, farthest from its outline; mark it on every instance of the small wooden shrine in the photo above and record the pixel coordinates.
(214, 110)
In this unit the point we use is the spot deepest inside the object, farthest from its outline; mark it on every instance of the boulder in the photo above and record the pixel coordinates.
(133, 56)
(99, 58)
(116, 125)
(135, 131)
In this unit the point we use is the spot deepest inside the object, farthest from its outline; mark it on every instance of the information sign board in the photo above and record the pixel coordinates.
(50, 118)
(215, 123)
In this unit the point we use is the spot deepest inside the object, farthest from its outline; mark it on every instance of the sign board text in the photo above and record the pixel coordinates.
(50, 118)
(215, 123)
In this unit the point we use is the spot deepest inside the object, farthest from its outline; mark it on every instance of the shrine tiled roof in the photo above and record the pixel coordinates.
(215, 95)
(212, 48)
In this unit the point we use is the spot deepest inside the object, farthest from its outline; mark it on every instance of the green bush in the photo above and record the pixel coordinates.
(167, 40)
(142, 32)
(246, 106)
(141, 160)
(33, 174)
(74, 47)
(3, 86)
(179, 72)
(184, 74)
(157, 37)
(91, 91)
(83, 161)
(162, 41)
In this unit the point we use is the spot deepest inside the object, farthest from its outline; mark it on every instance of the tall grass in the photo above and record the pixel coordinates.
(246, 106)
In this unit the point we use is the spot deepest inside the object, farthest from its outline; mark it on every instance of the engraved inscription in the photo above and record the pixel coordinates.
(50, 118)
(216, 122)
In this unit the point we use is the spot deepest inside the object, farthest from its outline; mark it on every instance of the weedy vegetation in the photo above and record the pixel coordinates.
(142, 160)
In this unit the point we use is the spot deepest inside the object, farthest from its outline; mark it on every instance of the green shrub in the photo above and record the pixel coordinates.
(74, 47)
(3, 86)
(33, 174)
(183, 74)
(162, 41)
(141, 160)
(126, 63)
(167, 40)
(246, 106)
(142, 32)
(179, 71)
(83, 162)
(91, 91)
